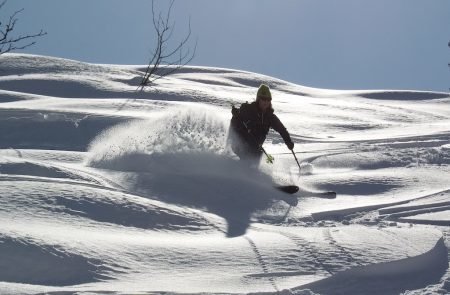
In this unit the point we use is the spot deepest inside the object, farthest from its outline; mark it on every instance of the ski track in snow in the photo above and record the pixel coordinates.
(103, 187)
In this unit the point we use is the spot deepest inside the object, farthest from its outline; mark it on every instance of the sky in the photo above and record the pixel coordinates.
(346, 44)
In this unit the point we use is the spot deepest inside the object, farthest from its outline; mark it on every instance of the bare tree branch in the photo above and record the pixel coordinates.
(162, 57)
(10, 43)
(3, 3)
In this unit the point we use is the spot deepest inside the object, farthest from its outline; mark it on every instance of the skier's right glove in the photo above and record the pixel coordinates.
(290, 145)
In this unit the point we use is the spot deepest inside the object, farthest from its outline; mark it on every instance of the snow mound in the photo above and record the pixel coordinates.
(31, 262)
(404, 95)
(51, 130)
(10, 167)
(158, 204)
(84, 204)
(372, 279)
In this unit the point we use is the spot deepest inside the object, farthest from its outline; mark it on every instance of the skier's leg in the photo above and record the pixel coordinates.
(247, 155)
(255, 157)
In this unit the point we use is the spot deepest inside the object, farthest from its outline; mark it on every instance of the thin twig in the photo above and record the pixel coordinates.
(10, 43)
(162, 57)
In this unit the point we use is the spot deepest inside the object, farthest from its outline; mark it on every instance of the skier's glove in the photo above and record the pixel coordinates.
(290, 145)
(234, 111)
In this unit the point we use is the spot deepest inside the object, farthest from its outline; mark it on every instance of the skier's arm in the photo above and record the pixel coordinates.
(240, 116)
(279, 127)
(239, 120)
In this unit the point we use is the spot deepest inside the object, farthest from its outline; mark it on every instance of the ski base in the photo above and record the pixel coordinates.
(323, 195)
(292, 200)
(289, 189)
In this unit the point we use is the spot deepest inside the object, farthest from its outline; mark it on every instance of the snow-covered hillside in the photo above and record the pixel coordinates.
(108, 190)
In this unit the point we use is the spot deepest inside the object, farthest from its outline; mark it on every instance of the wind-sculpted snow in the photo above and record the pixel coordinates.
(372, 279)
(51, 129)
(105, 189)
(405, 95)
(30, 262)
(20, 64)
(14, 166)
(93, 204)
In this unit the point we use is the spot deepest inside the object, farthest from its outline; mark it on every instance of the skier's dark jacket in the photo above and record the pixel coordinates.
(252, 125)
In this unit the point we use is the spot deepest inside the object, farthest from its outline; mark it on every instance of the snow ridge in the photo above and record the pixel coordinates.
(105, 189)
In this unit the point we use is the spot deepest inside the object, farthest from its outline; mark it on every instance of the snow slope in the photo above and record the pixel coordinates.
(108, 190)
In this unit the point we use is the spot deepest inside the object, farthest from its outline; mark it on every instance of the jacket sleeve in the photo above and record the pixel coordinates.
(279, 127)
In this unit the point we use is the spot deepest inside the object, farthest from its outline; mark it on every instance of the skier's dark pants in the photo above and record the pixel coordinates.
(247, 153)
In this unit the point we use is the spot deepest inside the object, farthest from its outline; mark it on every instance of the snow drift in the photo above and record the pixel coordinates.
(108, 190)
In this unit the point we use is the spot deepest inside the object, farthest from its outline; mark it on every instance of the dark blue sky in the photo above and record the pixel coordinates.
(347, 44)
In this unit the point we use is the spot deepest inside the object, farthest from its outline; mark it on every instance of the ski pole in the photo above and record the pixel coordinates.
(269, 157)
(296, 160)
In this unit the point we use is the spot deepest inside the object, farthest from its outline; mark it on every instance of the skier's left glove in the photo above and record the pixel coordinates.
(290, 145)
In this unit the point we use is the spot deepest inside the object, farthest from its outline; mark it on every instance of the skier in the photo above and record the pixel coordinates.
(251, 123)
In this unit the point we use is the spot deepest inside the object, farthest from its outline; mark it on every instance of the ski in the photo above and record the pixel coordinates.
(323, 195)
(289, 189)
(292, 199)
